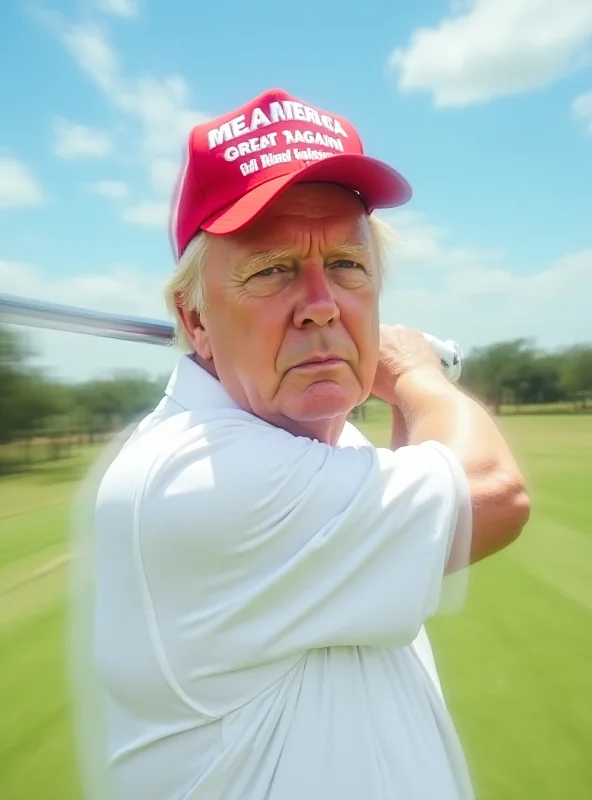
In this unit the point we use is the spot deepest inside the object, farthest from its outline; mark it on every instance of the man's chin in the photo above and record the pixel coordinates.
(321, 401)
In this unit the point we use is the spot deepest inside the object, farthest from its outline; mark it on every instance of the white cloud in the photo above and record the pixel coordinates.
(120, 8)
(473, 296)
(119, 290)
(93, 54)
(159, 108)
(115, 190)
(420, 245)
(72, 140)
(582, 110)
(162, 106)
(18, 187)
(490, 48)
(150, 214)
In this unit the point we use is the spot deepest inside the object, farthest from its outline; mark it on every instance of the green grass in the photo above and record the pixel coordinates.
(36, 742)
(515, 663)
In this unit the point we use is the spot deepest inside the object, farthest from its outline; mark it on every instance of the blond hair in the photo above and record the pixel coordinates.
(186, 286)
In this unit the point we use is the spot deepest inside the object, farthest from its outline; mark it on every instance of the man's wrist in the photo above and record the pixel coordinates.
(419, 388)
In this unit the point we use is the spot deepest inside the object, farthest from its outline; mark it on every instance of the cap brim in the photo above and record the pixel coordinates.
(378, 185)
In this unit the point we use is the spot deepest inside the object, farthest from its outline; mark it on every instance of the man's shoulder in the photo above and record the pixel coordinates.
(172, 439)
(169, 424)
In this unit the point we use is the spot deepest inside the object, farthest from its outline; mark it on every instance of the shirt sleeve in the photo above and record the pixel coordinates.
(255, 546)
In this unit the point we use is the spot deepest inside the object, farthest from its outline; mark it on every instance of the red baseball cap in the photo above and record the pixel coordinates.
(235, 165)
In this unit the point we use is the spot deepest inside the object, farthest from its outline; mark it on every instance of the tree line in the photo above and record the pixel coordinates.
(35, 409)
(38, 410)
(516, 373)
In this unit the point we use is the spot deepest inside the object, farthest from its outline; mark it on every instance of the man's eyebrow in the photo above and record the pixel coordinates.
(260, 258)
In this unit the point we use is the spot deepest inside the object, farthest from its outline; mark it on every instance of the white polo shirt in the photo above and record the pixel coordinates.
(260, 608)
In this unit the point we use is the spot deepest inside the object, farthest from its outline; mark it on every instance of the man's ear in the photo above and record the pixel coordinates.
(196, 332)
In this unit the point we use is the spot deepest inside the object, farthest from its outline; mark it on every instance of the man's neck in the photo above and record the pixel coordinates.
(327, 431)
(207, 365)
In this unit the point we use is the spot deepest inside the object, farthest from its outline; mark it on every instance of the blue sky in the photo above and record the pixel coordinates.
(484, 105)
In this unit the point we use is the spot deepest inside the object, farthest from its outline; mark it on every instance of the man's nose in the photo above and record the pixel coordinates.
(316, 301)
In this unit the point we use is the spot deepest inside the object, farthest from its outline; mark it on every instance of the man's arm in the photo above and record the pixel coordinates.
(429, 408)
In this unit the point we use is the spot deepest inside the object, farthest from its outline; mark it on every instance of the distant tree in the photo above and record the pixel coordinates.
(31, 405)
(41, 408)
(499, 373)
(576, 374)
(102, 405)
(13, 363)
(541, 382)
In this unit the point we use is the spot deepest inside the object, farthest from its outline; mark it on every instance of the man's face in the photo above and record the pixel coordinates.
(291, 323)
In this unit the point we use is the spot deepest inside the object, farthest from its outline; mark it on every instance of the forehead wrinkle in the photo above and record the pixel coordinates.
(343, 240)
(354, 250)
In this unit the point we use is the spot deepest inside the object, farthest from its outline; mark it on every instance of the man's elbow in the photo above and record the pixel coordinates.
(500, 516)
(518, 511)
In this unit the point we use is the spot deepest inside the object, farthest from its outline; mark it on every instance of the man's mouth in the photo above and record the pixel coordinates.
(318, 362)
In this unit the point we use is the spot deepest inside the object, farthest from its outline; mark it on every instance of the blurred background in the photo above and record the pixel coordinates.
(486, 107)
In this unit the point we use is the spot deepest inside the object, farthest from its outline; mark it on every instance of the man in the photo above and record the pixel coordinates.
(263, 572)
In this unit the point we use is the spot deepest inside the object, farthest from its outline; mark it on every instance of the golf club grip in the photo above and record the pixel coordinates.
(450, 356)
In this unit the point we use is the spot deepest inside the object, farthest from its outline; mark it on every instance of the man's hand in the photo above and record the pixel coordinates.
(401, 350)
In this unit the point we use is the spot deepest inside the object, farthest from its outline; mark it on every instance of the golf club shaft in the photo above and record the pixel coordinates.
(41, 314)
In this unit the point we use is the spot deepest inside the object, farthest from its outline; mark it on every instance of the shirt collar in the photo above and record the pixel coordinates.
(193, 388)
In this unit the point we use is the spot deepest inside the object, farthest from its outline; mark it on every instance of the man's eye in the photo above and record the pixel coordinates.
(343, 263)
(264, 273)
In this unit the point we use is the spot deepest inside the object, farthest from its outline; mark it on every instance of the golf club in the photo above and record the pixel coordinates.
(41, 314)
